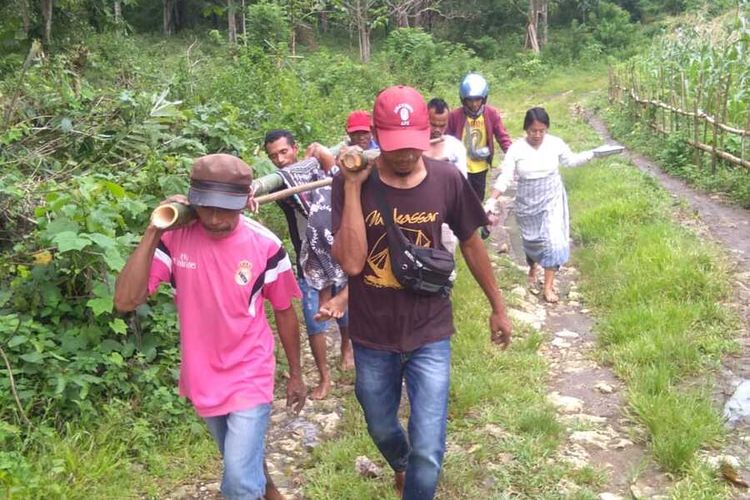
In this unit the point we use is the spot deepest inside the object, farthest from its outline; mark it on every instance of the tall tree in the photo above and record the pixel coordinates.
(299, 12)
(47, 16)
(25, 16)
(536, 29)
(169, 21)
(363, 15)
(231, 22)
(243, 19)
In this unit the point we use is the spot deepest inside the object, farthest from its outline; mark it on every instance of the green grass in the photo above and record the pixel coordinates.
(658, 290)
(121, 456)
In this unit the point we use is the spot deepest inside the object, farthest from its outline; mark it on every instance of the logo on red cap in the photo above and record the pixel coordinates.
(404, 111)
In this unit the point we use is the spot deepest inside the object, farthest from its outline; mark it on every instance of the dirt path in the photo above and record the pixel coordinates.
(587, 396)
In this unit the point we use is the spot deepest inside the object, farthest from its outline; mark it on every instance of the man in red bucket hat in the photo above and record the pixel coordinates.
(397, 334)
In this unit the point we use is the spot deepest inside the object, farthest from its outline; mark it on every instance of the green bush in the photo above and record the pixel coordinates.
(268, 26)
(416, 59)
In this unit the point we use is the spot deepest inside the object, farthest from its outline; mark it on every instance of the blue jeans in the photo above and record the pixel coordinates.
(310, 307)
(241, 439)
(378, 390)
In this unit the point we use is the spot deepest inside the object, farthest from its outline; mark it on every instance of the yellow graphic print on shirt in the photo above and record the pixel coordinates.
(378, 272)
(475, 137)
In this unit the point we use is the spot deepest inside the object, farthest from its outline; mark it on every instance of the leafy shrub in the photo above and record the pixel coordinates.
(526, 65)
(267, 26)
(418, 60)
(611, 27)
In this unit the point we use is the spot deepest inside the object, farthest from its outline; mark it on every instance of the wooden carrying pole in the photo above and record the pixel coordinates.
(354, 159)
(285, 193)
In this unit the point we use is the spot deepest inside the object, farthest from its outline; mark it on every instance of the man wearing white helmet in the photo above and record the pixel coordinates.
(476, 123)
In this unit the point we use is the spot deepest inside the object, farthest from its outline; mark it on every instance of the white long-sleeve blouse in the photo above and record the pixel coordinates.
(529, 163)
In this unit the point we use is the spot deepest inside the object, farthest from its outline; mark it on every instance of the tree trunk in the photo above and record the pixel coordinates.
(26, 16)
(169, 20)
(536, 30)
(118, 12)
(541, 23)
(47, 15)
(323, 16)
(243, 21)
(364, 42)
(232, 22)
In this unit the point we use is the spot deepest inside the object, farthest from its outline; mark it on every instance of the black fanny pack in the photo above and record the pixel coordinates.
(421, 270)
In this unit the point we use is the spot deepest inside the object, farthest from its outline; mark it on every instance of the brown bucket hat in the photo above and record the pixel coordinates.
(221, 181)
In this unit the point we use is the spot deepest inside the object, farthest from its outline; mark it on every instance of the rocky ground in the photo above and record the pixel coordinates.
(587, 396)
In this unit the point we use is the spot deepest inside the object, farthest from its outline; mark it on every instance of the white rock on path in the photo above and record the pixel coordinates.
(560, 343)
(593, 438)
(604, 387)
(567, 334)
(565, 404)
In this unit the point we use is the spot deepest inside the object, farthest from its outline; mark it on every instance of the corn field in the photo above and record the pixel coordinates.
(695, 83)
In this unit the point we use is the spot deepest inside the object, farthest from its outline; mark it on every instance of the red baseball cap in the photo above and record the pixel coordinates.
(358, 121)
(401, 119)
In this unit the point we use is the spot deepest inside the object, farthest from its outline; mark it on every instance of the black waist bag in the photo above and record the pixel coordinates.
(421, 270)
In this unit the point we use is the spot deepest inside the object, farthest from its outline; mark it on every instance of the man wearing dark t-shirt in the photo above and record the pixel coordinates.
(395, 333)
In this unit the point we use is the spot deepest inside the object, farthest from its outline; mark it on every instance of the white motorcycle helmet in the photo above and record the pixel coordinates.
(474, 86)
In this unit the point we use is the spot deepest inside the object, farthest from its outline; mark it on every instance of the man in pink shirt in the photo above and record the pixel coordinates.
(222, 266)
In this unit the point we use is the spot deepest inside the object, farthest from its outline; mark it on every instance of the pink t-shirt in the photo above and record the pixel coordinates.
(226, 342)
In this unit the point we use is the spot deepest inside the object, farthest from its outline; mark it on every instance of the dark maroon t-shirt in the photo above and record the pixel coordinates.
(382, 314)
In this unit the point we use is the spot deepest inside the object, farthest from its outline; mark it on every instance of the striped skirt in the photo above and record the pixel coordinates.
(542, 212)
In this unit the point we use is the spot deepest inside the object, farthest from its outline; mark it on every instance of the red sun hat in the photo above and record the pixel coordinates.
(358, 121)
(401, 119)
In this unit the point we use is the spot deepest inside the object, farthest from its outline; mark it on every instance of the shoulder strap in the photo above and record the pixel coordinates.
(395, 235)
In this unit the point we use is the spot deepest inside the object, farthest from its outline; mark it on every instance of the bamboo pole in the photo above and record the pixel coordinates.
(715, 135)
(285, 193)
(710, 149)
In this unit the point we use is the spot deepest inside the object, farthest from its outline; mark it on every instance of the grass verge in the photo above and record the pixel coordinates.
(658, 290)
(119, 456)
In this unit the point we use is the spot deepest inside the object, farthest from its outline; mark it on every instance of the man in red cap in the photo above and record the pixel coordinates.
(396, 333)
(358, 128)
(223, 267)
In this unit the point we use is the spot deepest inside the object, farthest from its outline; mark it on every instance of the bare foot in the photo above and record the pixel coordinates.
(321, 392)
(272, 493)
(399, 478)
(347, 357)
(531, 277)
(333, 308)
(551, 297)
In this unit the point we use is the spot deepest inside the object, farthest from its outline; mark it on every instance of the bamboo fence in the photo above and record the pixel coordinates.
(671, 112)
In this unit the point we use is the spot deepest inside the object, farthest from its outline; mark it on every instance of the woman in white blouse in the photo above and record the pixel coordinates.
(541, 202)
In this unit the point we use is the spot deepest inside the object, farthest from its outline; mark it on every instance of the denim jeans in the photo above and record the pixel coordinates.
(241, 439)
(378, 389)
(310, 306)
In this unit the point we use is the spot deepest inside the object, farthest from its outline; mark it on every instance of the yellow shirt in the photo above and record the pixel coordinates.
(475, 137)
